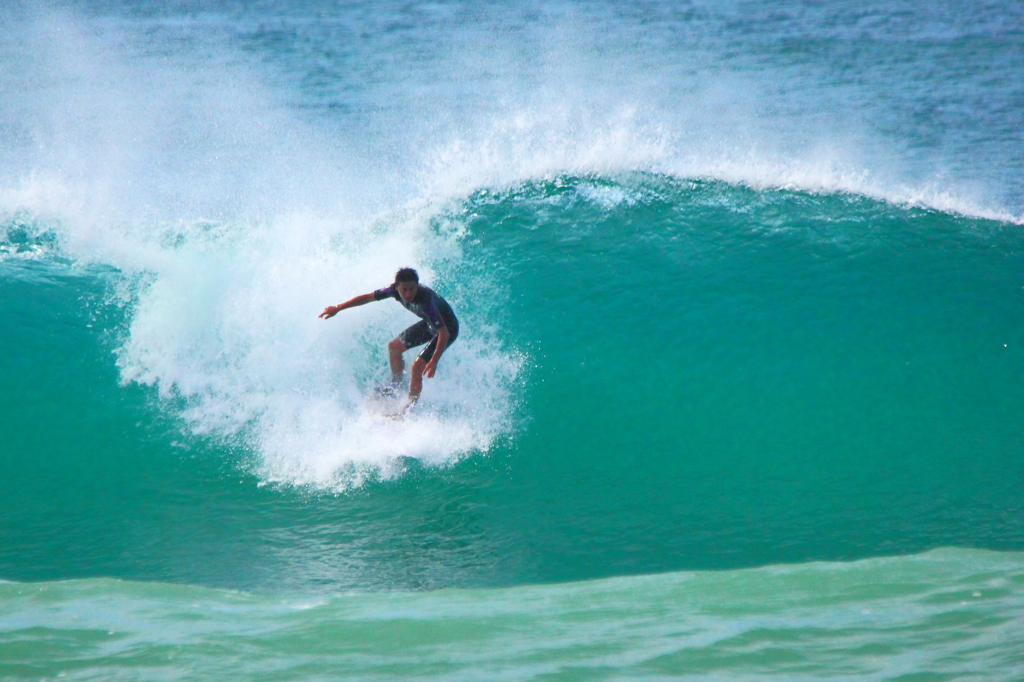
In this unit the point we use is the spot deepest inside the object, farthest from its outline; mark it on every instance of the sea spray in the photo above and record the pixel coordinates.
(231, 232)
(230, 326)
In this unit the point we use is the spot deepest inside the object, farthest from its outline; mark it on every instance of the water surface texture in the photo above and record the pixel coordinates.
(736, 395)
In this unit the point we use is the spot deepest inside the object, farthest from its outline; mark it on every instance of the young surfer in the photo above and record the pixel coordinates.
(438, 325)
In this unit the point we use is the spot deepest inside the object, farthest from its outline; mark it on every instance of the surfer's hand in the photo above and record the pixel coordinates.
(430, 369)
(329, 312)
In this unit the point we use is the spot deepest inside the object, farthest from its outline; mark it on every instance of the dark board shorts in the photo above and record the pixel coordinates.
(420, 333)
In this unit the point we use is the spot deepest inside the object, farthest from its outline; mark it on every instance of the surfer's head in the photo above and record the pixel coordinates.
(407, 275)
(408, 283)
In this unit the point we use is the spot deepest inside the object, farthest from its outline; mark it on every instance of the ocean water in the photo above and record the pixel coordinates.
(737, 391)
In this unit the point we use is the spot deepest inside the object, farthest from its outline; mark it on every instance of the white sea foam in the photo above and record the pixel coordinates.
(231, 326)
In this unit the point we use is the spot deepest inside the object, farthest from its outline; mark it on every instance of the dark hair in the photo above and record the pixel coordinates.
(407, 275)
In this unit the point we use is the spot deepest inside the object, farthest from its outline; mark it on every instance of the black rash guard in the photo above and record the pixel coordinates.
(427, 305)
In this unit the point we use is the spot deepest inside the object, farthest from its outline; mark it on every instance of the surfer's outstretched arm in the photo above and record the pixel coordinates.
(332, 310)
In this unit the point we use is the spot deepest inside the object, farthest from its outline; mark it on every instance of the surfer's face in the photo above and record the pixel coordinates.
(407, 290)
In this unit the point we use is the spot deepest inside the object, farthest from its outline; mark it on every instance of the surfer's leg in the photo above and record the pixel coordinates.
(416, 335)
(420, 364)
(416, 380)
(396, 348)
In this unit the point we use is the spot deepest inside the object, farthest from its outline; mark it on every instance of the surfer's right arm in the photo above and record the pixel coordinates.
(332, 310)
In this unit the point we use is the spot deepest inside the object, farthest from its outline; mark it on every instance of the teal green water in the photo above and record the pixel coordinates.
(947, 614)
(737, 391)
(766, 375)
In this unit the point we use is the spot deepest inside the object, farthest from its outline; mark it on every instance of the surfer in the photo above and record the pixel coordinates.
(438, 325)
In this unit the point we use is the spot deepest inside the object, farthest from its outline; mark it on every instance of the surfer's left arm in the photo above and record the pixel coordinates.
(442, 343)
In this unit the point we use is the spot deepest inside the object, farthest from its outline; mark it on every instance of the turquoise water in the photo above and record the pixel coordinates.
(952, 613)
(736, 394)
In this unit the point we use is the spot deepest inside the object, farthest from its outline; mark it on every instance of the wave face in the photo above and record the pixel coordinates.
(739, 288)
(657, 374)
